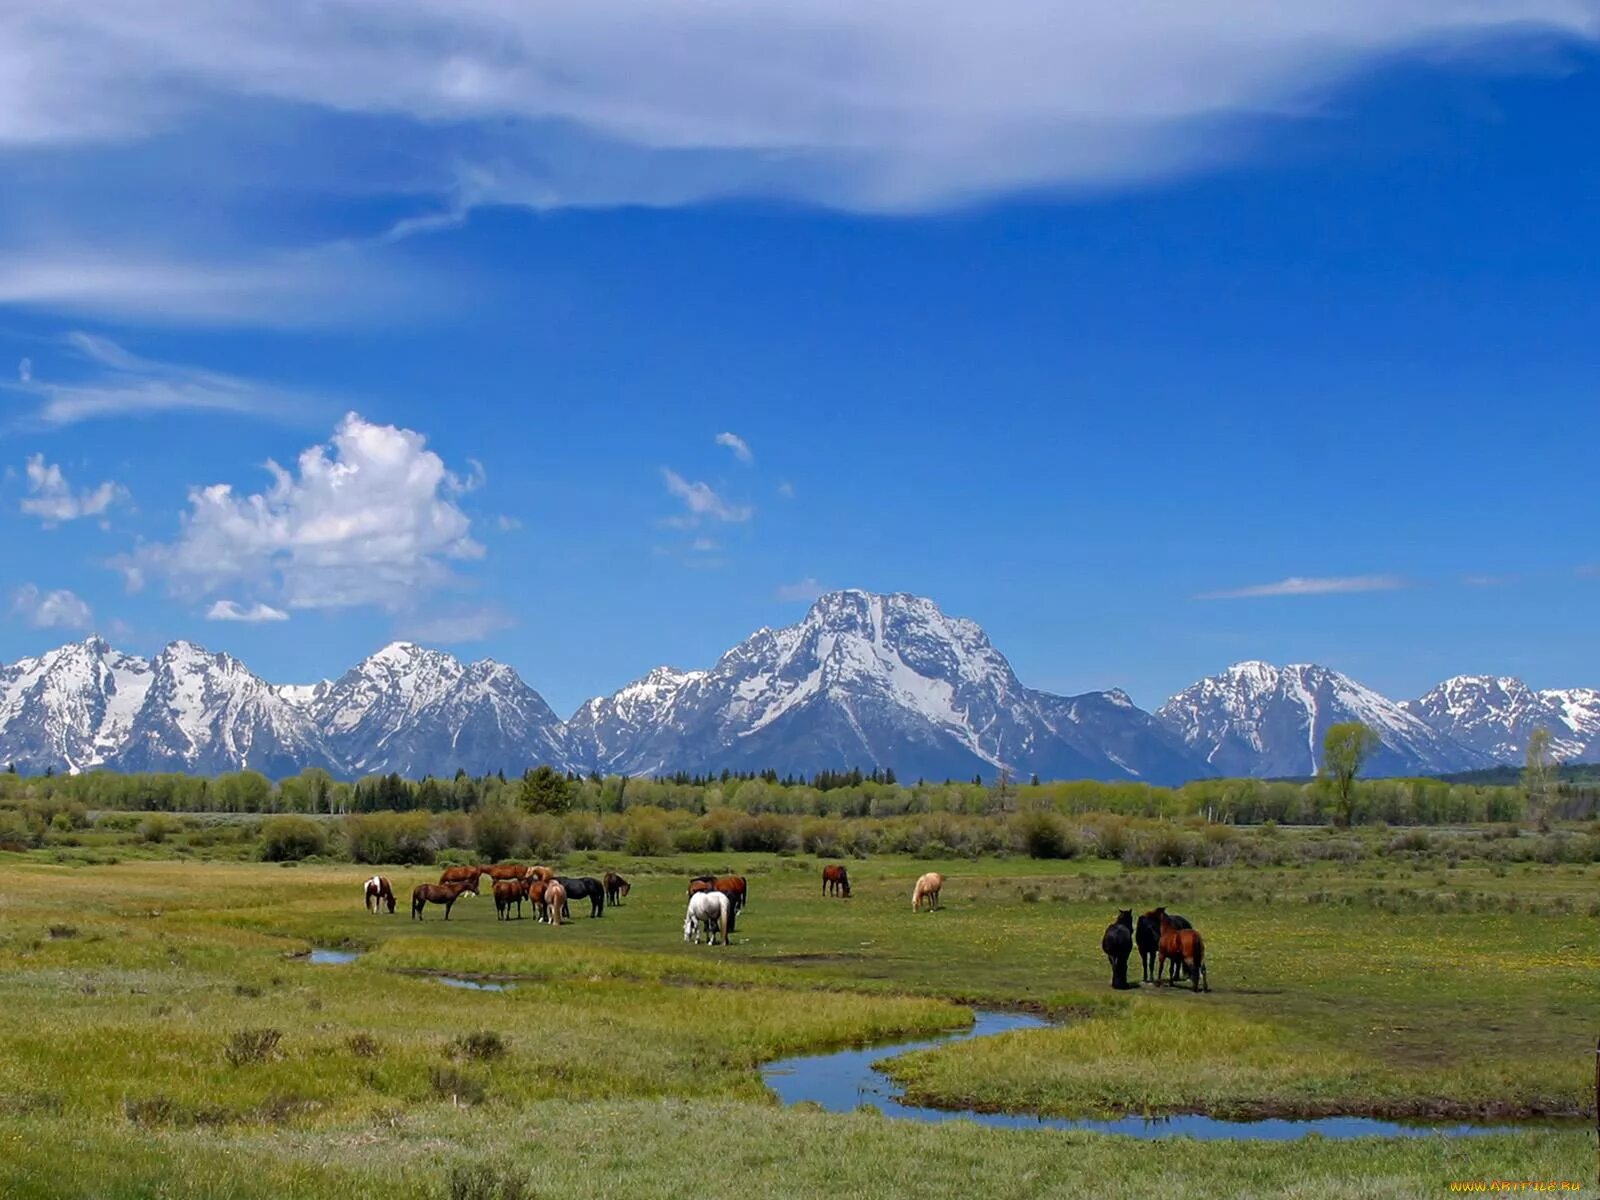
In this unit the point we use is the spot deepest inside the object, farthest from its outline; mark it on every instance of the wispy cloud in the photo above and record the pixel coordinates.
(786, 490)
(1487, 581)
(802, 591)
(1300, 585)
(459, 625)
(52, 499)
(702, 501)
(740, 447)
(58, 609)
(25, 370)
(232, 610)
(114, 382)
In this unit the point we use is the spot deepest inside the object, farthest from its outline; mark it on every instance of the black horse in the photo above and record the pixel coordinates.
(578, 888)
(1148, 936)
(1118, 945)
(616, 888)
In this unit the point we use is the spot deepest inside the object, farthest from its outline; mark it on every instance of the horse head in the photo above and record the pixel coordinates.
(1125, 917)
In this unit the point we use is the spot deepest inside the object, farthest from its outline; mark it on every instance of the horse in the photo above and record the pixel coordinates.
(1148, 938)
(709, 912)
(1118, 944)
(1185, 948)
(440, 893)
(579, 887)
(378, 893)
(506, 893)
(616, 887)
(734, 888)
(533, 891)
(506, 871)
(543, 874)
(462, 875)
(927, 888)
(555, 901)
(835, 881)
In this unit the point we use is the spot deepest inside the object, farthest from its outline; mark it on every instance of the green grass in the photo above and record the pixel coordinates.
(132, 1061)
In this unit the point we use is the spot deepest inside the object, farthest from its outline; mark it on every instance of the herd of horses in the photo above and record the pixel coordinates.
(1169, 946)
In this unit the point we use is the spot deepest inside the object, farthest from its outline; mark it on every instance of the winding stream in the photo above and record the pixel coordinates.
(846, 1079)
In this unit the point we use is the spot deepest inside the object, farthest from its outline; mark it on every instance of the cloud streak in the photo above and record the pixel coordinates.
(1300, 585)
(58, 609)
(702, 501)
(740, 447)
(253, 614)
(52, 499)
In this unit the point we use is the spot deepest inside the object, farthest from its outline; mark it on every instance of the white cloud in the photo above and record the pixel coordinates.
(1298, 585)
(740, 447)
(891, 105)
(507, 524)
(702, 501)
(368, 520)
(232, 610)
(58, 609)
(51, 498)
(786, 490)
(25, 370)
(801, 592)
(464, 625)
(704, 545)
(118, 383)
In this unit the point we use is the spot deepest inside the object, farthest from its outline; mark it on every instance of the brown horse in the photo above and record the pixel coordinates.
(378, 893)
(506, 871)
(462, 875)
(734, 888)
(543, 874)
(555, 899)
(446, 894)
(1183, 947)
(835, 881)
(506, 893)
(928, 888)
(1147, 937)
(616, 887)
(534, 893)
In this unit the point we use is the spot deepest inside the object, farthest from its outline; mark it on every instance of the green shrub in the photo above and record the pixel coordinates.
(292, 838)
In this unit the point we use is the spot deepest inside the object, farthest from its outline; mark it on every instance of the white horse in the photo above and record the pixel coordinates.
(708, 913)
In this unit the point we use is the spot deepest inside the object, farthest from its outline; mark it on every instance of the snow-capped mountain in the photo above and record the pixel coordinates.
(1263, 720)
(204, 713)
(1496, 714)
(872, 681)
(421, 712)
(70, 707)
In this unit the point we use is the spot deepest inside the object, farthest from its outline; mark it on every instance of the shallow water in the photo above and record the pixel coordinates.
(845, 1079)
(473, 985)
(335, 958)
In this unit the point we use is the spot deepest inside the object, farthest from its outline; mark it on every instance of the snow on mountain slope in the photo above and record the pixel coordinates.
(1496, 714)
(419, 712)
(1259, 719)
(606, 731)
(70, 707)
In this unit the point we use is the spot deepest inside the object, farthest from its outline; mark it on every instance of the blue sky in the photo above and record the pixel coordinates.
(1150, 348)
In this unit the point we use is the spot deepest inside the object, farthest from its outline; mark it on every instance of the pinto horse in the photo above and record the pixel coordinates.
(506, 893)
(378, 893)
(928, 888)
(555, 901)
(1185, 948)
(709, 913)
(585, 887)
(446, 894)
(1118, 945)
(616, 887)
(835, 881)
(462, 875)
(1148, 938)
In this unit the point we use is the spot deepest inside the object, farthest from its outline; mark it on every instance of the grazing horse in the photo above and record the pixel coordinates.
(440, 893)
(379, 893)
(555, 901)
(1185, 948)
(585, 886)
(734, 888)
(835, 881)
(462, 875)
(533, 891)
(1148, 938)
(506, 871)
(616, 887)
(506, 893)
(1118, 945)
(543, 874)
(709, 913)
(928, 888)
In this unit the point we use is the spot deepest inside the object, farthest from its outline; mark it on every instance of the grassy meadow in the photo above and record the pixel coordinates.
(164, 1034)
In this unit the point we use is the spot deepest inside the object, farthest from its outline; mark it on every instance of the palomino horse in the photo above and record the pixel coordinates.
(446, 894)
(462, 875)
(506, 893)
(616, 887)
(555, 901)
(1148, 938)
(709, 913)
(1183, 947)
(928, 888)
(543, 874)
(1118, 945)
(379, 893)
(585, 887)
(835, 881)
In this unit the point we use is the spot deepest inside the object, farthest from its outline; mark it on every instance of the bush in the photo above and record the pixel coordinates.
(290, 838)
(387, 837)
(497, 833)
(485, 1045)
(478, 1181)
(457, 1086)
(1044, 835)
(157, 828)
(252, 1046)
(767, 833)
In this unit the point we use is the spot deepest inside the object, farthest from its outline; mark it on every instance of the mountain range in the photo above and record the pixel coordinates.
(863, 680)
